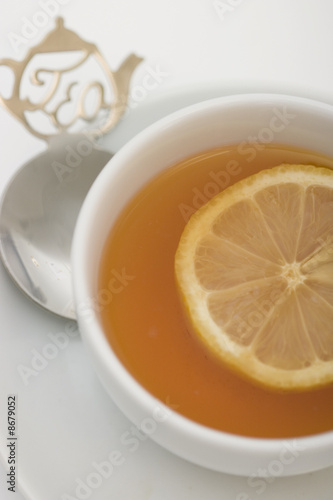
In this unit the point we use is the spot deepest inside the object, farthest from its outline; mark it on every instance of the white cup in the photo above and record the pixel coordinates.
(278, 119)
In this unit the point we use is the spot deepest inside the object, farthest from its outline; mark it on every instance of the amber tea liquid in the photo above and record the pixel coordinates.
(144, 320)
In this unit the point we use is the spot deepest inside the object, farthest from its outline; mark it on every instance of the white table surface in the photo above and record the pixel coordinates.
(280, 46)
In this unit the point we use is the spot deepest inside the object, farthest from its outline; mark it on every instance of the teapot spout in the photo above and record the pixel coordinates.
(124, 73)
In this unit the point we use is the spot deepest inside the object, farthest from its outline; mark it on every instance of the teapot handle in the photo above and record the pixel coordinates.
(14, 66)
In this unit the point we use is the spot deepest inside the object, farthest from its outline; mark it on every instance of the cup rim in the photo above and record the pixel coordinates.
(95, 339)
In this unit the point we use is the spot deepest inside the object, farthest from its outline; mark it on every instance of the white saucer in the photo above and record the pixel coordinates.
(67, 425)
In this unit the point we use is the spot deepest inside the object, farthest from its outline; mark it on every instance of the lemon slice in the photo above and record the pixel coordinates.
(254, 267)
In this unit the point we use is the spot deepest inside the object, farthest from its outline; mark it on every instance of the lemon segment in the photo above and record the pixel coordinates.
(254, 268)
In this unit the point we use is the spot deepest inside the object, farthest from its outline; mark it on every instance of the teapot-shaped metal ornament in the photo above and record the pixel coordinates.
(62, 40)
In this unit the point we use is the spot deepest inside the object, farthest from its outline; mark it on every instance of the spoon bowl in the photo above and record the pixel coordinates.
(38, 213)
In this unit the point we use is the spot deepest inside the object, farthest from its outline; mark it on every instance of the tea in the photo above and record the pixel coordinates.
(144, 321)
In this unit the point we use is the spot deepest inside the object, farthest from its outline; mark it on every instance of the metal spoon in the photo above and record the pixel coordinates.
(40, 205)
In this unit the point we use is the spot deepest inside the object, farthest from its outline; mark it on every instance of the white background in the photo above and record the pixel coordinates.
(251, 45)
(255, 45)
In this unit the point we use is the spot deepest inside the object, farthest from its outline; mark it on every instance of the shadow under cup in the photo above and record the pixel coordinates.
(251, 121)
